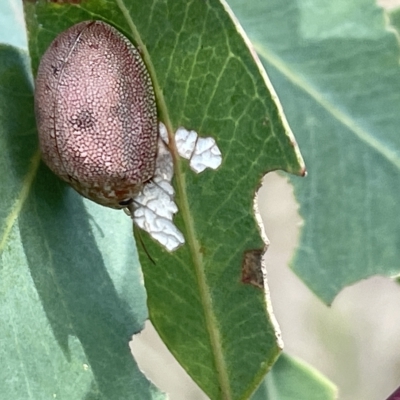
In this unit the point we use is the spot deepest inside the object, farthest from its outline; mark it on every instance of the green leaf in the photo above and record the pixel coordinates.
(338, 78)
(70, 291)
(217, 326)
(293, 379)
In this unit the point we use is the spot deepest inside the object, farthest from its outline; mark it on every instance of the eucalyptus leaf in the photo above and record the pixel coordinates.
(335, 67)
(78, 260)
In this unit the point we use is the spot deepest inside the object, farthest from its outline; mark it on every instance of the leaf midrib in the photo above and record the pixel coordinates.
(205, 296)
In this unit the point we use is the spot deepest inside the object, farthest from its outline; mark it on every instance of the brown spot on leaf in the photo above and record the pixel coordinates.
(252, 271)
(266, 121)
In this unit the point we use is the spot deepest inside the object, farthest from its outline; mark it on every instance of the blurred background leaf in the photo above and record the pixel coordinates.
(335, 67)
(292, 379)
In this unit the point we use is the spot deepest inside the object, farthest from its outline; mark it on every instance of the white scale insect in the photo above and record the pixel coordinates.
(97, 120)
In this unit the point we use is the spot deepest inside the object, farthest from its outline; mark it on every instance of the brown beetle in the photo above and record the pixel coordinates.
(96, 113)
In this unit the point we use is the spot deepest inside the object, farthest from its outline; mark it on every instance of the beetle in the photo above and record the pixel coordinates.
(96, 113)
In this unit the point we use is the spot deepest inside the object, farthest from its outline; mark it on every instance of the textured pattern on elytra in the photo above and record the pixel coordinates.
(96, 113)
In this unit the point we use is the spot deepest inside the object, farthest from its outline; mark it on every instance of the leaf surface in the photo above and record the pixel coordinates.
(338, 78)
(205, 79)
